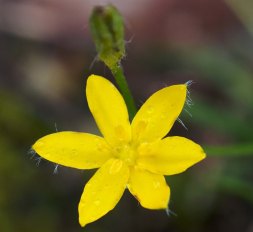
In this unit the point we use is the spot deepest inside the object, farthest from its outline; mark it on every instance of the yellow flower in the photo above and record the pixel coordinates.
(133, 156)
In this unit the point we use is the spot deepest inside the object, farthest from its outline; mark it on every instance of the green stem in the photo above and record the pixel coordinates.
(125, 91)
(230, 150)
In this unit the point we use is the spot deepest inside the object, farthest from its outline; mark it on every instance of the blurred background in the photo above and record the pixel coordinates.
(46, 54)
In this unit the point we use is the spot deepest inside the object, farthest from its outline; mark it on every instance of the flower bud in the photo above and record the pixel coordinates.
(107, 30)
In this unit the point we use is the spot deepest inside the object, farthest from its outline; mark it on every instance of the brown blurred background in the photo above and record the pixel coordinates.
(46, 54)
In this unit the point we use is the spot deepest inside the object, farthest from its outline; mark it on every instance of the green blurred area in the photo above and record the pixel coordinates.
(42, 90)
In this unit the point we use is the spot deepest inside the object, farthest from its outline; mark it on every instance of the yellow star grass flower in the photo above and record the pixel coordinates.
(133, 156)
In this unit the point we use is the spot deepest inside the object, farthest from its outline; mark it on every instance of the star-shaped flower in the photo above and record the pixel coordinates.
(129, 155)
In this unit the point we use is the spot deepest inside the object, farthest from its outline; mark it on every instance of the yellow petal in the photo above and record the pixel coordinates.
(73, 149)
(170, 156)
(157, 115)
(103, 191)
(109, 110)
(150, 189)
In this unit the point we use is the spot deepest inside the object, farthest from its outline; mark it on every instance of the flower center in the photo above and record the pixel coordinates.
(127, 153)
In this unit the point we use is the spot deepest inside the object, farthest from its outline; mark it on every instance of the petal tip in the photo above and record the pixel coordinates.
(93, 78)
(37, 146)
(183, 87)
(81, 219)
(82, 222)
(203, 155)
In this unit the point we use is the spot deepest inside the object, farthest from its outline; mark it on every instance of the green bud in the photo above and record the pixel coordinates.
(107, 30)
